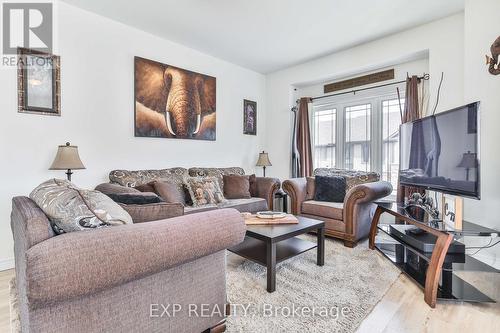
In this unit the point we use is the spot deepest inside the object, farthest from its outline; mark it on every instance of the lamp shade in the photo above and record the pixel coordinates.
(67, 158)
(263, 160)
(469, 161)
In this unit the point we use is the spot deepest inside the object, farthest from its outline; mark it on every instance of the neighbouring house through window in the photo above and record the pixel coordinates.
(359, 132)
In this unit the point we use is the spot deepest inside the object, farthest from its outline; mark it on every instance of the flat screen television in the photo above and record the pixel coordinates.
(441, 152)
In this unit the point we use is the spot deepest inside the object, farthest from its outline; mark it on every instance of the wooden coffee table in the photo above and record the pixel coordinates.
(268, 245)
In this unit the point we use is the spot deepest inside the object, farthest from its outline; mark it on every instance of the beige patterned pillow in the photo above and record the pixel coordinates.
(72, 209)
(204, 191)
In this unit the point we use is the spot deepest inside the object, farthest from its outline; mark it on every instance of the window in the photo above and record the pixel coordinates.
(324, 138)
(391, 119)
(357, 137)
(358, 133)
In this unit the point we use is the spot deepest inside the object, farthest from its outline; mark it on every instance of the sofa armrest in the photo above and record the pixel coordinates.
(154, 211)
(296, 188)
(266, 188)
(359, 207)
(85, 262)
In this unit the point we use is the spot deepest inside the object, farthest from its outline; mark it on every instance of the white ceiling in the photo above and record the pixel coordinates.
(268, 35)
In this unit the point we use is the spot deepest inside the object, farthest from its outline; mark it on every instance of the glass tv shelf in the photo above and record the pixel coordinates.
(433, 271)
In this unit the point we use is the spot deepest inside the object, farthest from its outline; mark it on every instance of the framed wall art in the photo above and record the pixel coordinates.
(172, 102)
(38, 82)
(249, 117)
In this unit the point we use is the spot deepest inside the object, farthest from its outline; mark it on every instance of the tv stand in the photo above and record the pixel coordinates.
(431, 270)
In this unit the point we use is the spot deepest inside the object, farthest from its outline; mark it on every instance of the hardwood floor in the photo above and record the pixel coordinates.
(401, 310)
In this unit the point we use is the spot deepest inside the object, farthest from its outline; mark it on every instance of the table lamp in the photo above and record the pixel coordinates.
(469, 161)
(263, 161)
(67, 158)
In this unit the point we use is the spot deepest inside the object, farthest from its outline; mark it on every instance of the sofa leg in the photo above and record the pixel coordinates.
(350, 244)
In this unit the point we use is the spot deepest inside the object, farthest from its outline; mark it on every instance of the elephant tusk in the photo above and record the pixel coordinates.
(169, 123)
(198, 124)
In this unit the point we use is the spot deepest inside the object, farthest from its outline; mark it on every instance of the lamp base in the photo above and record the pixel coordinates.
(68, 174)
(264, 170)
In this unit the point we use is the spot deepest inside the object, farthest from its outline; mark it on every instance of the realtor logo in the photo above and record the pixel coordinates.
(27, 25)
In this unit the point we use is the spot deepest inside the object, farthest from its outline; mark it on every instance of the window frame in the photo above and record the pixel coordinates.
(375, 97)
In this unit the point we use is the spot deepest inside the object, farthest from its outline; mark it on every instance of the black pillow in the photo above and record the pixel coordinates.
(135, 199)
(330, 188)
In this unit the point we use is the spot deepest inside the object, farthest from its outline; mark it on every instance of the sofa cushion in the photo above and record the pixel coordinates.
(148, 187)
(236, 187)
(330, 188)
(108, 188)
(353, 177)
(251, 205)
(204, 190)
(169, 192)
(142, 198)
(199, 209)
(252, 179)
(71, 209)
(153, 212)
(216, 172)
(332, 210)
(139, 177)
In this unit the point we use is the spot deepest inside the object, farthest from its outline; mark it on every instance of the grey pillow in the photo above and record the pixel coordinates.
(330, 188)
(72, 209)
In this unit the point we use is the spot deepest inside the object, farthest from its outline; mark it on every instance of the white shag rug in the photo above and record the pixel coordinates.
(309, 298)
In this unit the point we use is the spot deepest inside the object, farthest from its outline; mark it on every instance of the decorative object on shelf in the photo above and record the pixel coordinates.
(249, 117)
(172, 102)
(494, 65)
(263, 161)
(452, 216)
(270, 215)
(422, 201)
(38, 82)
(469, 161)
(67, 158)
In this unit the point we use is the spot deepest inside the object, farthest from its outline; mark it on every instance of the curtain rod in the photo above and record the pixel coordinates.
(423, 77)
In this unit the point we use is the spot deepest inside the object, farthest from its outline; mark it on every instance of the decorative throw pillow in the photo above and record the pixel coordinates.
(330, 188)
(142, 198)
(253, 185)
(148, 187)
(72, 209)
(169, 192)
(236, 187)
(204, 191)
(310, 188)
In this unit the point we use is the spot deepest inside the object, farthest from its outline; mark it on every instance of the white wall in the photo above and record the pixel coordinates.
(482, 27)
(97, 59)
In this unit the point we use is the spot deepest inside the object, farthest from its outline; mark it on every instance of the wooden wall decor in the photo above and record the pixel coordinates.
(360, 81)
(492, 62)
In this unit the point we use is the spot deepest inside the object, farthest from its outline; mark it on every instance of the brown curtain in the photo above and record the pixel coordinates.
(304, 139)
(410, 113)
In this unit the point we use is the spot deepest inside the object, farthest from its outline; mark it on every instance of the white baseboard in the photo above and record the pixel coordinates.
(6, 264)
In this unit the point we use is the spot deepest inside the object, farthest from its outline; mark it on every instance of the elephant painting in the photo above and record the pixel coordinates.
(494, 65)
(171, 102)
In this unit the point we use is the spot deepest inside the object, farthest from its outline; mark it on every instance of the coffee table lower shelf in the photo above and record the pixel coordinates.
(255, 250)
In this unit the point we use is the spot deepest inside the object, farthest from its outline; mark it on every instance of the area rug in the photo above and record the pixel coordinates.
(333, 298)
